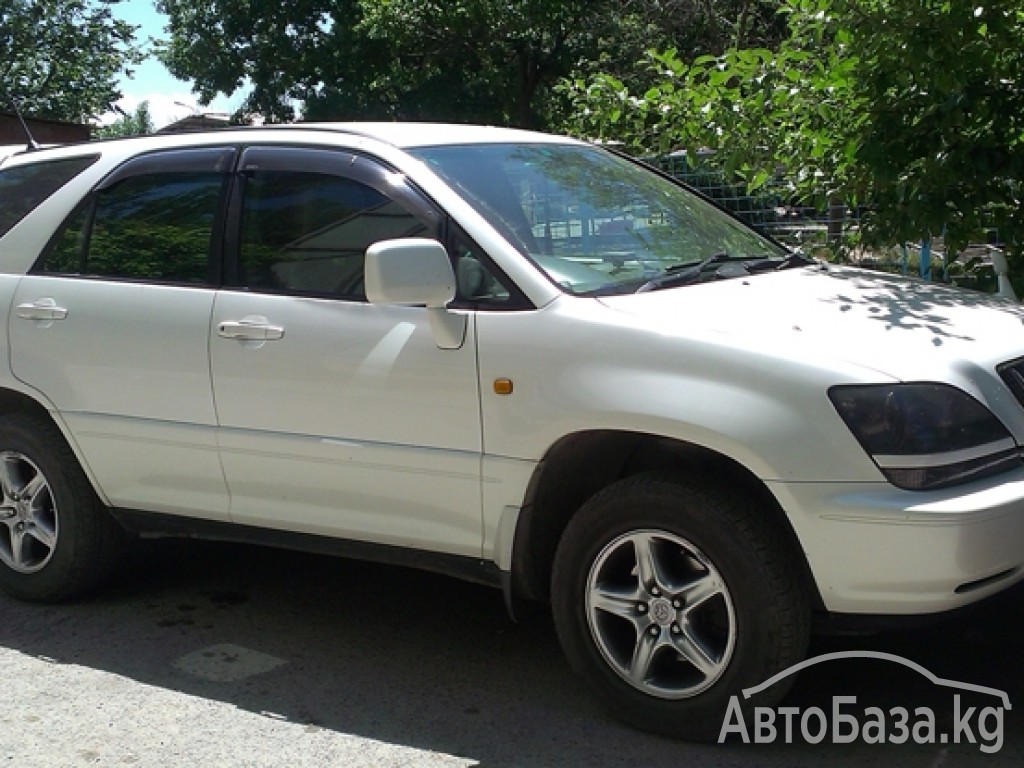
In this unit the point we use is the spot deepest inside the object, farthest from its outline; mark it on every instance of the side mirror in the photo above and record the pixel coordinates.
(416, 271)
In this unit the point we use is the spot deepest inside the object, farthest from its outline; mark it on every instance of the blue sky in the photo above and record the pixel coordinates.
(169, 99)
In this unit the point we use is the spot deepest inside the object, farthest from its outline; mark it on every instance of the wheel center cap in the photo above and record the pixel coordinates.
(21, 510)
(662, 611)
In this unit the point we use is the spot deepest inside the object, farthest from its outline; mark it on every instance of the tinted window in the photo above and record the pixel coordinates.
(308, 232)
(24, 187)
(156, 227)
(594, 222)
(476, 283)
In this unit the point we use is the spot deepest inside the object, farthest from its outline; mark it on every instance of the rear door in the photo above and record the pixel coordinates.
(112, 327)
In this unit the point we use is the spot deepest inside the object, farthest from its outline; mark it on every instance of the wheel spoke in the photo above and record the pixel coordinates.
(18, 547)
(9, 478)
(691, 649)
(33, 488)
(42, 534)
(614, 602)
(699, 591)
(649, 569)
(7, 542)
(643, 655)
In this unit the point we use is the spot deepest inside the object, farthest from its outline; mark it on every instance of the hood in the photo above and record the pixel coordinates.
(903, 327)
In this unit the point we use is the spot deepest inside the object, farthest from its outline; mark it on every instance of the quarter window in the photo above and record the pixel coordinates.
(24, 187)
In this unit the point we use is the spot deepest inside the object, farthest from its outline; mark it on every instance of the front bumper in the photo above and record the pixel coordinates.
(876, 549)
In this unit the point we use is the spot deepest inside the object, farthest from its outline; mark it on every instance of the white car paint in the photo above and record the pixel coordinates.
(337, 428)
(128, 370)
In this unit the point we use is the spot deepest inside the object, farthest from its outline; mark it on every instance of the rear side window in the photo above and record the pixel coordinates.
(156, 226)
(24, 187)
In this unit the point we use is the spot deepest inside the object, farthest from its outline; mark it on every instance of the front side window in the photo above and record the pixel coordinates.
(156, 227)
(477, 284)
(594, 222)
(308, 232)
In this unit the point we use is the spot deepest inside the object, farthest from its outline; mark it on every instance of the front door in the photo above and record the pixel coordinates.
(338, 417)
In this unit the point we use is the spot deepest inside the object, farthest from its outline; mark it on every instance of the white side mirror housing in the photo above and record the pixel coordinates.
(409, 271)
(416, 271)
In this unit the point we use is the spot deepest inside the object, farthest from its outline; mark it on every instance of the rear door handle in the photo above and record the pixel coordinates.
(251, 328)
(41, 309)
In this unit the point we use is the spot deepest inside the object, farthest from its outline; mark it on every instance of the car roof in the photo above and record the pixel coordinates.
(409, 135)
(403, 136)
(7, 150)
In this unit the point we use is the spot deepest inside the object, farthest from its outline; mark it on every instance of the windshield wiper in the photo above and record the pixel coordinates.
(726, 266)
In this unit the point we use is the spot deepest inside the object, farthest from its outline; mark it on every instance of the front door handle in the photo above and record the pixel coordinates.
(251, 328)
(41, 309)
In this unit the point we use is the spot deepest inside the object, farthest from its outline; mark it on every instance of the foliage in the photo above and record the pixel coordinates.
(60, 59)
(493, 61)
(282, 51)
(690, 27)
(911, 109)
(138, 123)
(943, 139)
(484, 60)
(496, 53)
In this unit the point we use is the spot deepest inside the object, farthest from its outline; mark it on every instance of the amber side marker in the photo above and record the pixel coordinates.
(503, 386)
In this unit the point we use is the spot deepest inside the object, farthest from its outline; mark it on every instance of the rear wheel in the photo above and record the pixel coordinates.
(669, 600)
(56, 539)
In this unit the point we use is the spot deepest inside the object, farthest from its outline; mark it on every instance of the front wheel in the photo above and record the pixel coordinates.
(669, 600)
(56, 539)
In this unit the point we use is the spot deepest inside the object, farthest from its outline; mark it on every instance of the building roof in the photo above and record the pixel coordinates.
(198, 122)
(43, 131)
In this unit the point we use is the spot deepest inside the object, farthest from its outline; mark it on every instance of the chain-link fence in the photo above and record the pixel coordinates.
(772, 208)
(775, 210)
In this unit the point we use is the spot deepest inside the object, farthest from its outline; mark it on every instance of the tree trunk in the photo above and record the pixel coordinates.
(529, 79)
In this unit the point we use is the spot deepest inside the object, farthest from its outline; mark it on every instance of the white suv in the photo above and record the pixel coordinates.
(513, 357)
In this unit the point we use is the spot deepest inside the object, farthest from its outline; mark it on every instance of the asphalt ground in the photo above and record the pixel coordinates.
(207, 654)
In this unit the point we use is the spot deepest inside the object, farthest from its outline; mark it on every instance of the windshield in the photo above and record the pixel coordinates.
(596, 223)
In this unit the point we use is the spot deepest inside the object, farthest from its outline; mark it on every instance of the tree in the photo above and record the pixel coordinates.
(491, 61)
(941, 142)
(485, 60)
(281, 51)
(60, 59)
(138, 123)
(913, 109)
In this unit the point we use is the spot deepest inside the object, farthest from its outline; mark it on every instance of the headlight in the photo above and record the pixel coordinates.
(926, 435)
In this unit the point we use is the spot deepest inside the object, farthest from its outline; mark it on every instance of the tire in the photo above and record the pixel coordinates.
(669, 599)
(57, 541)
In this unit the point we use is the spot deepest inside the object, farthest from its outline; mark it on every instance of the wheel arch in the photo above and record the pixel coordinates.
(14, 401)
(581, 464)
